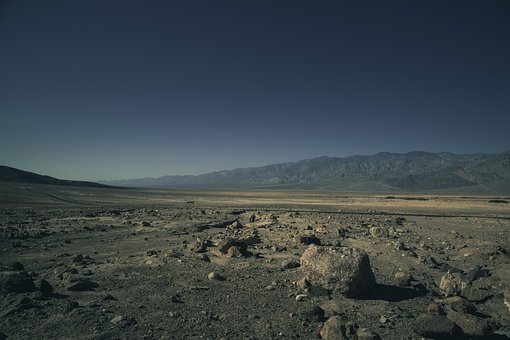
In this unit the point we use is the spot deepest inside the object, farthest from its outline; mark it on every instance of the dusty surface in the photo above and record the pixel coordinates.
(151, 280)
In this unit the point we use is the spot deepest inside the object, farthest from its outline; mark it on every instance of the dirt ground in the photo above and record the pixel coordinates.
(136, 264)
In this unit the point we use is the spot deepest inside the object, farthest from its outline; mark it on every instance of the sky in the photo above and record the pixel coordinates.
(94, 90)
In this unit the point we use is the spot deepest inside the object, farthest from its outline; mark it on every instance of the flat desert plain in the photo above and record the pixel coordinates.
(86, 263)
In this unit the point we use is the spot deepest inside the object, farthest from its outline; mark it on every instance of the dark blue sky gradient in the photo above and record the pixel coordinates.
(122, 89)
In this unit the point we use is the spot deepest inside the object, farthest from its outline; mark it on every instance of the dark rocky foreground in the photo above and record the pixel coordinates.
(212, 273)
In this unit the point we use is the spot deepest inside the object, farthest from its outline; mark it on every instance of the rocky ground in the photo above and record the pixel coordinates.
(197, 272)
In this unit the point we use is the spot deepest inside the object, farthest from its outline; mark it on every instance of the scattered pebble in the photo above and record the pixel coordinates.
(215, 276)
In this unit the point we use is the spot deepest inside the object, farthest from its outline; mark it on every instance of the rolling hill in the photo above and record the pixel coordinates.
(8, 174)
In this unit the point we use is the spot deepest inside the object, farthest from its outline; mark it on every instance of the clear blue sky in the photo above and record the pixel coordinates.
(124, 89)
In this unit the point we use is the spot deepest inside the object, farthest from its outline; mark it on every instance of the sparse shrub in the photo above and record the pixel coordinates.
(498, 201)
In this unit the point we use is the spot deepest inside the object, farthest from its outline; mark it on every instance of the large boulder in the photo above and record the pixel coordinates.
(344, 270)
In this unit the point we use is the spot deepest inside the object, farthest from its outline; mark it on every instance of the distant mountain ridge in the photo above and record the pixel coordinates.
(415, 170)
(8, 174)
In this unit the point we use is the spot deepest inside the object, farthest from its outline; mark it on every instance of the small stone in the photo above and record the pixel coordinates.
(278, 248)
(307, 240)
(506, 298)
(303, 283)
(290, 264)
(365, 334)
(117, 319)
(400, 246)
(430, 261)
(215, 276)
(82, 284)
(403, 278)
(315, 290)
(314, 313)
(225, 245)
(436, 327)
(37, 295)
(342, 232)
(151, 252)
(333, 307)
(175, 299)
(236, 225)
(204, 258)
(123, 321)
(335, 329)
(447, 268)
(452, 284)
(71, 305)
(17, 266)
(63, 255)
(475, 294)
(476, 273)
(470, 324)
(199, 247)
(435, 309)
(459, 304)
(301, 297)
(400, 275)
(77, 258)
(321, 230)
(109, 297)
(69, 275)
(146, 224)
(383, 319)
(234, 252)
(378, 232)
(252, 239)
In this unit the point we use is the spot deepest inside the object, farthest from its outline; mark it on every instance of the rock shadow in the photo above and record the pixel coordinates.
(58, 296)
(488, 337)
(392, 293)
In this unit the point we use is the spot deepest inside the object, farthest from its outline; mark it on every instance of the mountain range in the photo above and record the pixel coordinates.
(413, 171)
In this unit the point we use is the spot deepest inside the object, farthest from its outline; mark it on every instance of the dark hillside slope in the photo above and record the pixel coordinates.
(8, 174)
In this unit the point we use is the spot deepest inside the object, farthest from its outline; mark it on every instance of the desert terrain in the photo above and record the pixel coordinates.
(92, 263)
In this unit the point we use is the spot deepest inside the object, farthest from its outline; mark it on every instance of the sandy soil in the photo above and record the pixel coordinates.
(135, 264)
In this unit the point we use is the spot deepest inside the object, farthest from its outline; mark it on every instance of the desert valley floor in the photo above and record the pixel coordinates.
(85, 263)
